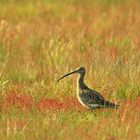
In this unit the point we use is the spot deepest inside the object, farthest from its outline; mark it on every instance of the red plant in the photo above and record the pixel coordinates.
(128, 107)
(49, 104)
(71, 103)
(18, 100)
(133, 104)
(17, 123)
(55, 104)
(114, 52)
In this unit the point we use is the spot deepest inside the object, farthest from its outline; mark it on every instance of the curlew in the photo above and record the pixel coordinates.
(89, 98)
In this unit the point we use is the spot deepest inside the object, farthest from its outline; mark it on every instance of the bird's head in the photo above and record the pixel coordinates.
(80, 70)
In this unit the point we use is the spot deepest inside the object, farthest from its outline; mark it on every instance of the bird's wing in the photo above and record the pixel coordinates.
(94, 97)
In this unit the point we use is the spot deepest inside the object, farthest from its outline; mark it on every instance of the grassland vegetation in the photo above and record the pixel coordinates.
(42, 40)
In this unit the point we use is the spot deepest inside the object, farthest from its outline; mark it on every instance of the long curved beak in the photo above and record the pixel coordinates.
(67, 75)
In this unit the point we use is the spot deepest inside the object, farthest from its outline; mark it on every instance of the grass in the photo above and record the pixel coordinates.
(42, 40)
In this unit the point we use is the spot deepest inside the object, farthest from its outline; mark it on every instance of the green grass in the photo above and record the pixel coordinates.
(42, 40)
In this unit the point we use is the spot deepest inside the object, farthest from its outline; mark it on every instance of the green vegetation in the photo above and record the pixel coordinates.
(42, 40)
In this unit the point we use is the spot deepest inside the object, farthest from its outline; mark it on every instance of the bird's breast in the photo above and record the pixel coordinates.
(82, 99)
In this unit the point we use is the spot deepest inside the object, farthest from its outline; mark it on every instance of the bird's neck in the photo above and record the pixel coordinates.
(80, 82)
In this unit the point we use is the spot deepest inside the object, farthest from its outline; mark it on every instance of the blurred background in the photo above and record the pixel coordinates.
(40, 40)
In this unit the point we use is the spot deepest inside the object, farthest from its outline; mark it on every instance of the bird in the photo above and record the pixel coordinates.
(91, 99)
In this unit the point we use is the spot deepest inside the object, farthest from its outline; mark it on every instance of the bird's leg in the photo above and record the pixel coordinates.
(91, 110)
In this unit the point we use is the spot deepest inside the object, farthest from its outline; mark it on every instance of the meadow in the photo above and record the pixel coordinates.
(42, 40)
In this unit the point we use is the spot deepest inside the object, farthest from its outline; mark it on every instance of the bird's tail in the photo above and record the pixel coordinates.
(107, 104)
